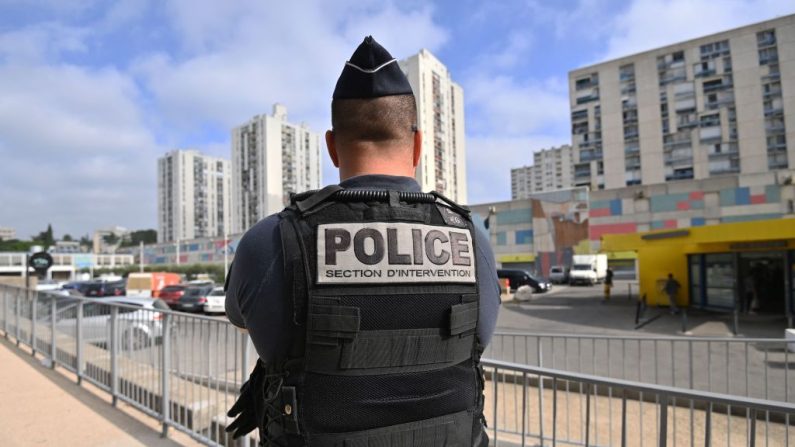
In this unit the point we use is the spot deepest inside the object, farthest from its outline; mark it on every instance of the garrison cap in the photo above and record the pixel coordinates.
(371, 73)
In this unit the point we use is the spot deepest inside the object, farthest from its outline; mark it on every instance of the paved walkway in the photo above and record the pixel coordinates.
(40, 406)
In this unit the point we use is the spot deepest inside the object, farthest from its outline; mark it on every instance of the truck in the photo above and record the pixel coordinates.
(588, 269)
(150, 283)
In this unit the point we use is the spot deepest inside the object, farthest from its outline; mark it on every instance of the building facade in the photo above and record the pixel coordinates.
(193, 197)
(271, 158)
(536, 232)
(704, 108)
(7, 233)
(440, 117)
(552, 169)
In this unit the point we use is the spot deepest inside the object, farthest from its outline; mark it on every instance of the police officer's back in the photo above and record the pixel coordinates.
(369, 302)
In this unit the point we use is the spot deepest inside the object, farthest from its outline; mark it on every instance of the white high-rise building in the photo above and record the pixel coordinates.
(271, 158)
(717, 105)
(552, 169)
(193, 196)
(440, 116)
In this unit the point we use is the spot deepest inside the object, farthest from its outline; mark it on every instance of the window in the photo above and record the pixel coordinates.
(501, 238)
(524, 236)
(766, 38)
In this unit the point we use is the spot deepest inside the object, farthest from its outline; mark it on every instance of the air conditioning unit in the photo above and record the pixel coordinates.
(639, 194)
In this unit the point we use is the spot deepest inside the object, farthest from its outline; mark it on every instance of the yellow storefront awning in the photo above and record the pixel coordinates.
(518, 257)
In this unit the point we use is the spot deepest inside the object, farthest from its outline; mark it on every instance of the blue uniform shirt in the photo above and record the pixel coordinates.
(256, 279)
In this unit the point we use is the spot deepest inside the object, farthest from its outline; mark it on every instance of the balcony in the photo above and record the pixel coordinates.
(772, 92)
(676, 144)
(590, 155)
(630, 135)
(680, 175)
(704, 73)
(632, 149)
(677, 161)
(774, 111)
(579, 115)
(632, 166)
(716, 86)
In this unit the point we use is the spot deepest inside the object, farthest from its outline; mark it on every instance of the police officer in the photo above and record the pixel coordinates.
(368, 302)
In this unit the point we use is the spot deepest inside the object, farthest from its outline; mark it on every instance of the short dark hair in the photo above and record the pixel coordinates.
(387, 118)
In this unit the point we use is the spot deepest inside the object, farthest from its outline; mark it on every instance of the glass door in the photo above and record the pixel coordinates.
(721, 280)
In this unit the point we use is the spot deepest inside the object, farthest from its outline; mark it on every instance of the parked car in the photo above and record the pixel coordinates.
(518, 278)
(171, 294)
(216, 301)
(558, 274)
(150, 283)
(98, 289)
(140, 323)
(192, 299)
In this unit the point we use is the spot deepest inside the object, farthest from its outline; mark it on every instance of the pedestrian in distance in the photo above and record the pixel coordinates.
(671, 289)
(369, 302)
(608, 283)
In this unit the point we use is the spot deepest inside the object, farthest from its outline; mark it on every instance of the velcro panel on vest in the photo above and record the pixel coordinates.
(392, 349)
(463, 318)
(454, 430)
(329, 324)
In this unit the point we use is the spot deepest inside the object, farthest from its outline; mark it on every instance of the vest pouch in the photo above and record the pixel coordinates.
(445, 431)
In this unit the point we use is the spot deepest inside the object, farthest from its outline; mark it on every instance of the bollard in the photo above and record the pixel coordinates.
(736, 326)
(684, 320)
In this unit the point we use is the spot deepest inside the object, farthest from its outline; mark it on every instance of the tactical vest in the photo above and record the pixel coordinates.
(384, 295)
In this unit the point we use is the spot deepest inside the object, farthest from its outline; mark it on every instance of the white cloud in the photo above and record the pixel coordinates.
(648, 24)
(507, 107)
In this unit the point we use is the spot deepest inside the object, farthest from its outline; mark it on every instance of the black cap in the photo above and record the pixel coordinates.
(371, 73)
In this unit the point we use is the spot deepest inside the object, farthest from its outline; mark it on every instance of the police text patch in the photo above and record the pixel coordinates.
(380, 252)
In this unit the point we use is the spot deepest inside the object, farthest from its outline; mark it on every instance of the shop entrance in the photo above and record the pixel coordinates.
(762, 282)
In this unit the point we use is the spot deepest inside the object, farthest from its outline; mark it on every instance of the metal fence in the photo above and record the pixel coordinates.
(185, 370)
(528, 405)
(749, 367)
(141, 355)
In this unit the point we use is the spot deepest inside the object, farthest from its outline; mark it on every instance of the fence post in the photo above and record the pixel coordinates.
(165, 404)
(53, 315)
(663, 421)
(16, 315)
(243, 440)
(114, 354)
(33, 303)
(79, 341)
(5, 313)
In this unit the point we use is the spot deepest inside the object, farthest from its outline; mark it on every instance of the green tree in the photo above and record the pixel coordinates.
(111, 239)
(145, 236)
(67, 237)
(86, 241)
(46, 237)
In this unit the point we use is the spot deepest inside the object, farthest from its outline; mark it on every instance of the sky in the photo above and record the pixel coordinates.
(92, 92)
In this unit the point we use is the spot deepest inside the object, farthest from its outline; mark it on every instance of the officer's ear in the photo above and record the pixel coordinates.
(417, 147)
(332, 148)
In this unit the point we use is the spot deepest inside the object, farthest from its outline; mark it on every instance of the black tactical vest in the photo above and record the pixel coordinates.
(384, 294)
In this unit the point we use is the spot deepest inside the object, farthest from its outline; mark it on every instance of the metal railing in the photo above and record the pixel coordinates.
(750, 367)
(528, 405)
(141, 355)
(185, 371)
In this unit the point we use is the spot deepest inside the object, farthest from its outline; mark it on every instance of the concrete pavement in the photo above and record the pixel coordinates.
(47, 407)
